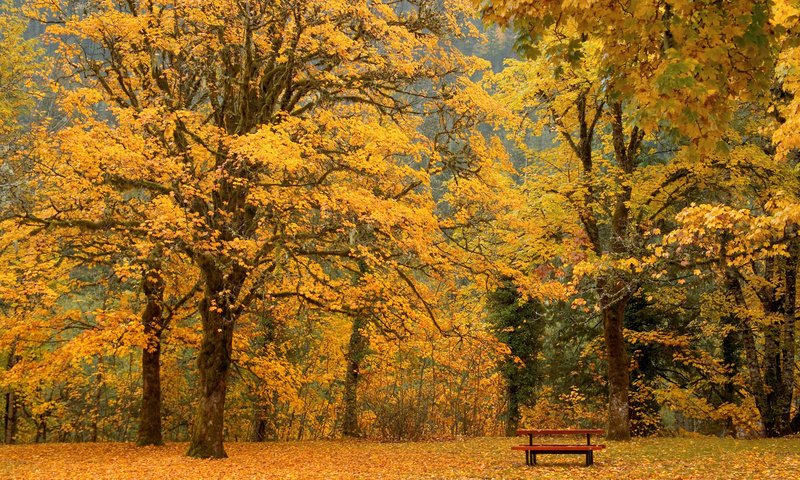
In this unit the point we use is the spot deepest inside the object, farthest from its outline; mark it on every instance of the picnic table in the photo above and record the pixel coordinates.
(532, 449)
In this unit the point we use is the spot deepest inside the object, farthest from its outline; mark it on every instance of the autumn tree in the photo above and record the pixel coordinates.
(748, 240)
(262, 135)
(679, 62)
(747, 234)
(758, 277)
(20, 68)
(667, 66)
(577, 110)
(104, 243)
(596, 186)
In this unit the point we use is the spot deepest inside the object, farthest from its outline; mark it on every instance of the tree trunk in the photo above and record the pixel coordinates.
(150, 414)
(10, 418)
(264, 426)
(512, 417)
(258, 429)
(755, 380)
(788, 340)
(731, 351)
(770, 412)
(213, 363)
(11, 411)
(765, 387)
(730, 359)
(41, 429)
(618, 375)
(357, 350)
(615, 292)
(794, 425)
(773, 389)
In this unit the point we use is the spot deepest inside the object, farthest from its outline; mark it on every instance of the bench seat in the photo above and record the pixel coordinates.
(558, 448)
(532, 450)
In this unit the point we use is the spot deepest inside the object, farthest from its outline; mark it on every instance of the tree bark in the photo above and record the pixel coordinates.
(731, 351)
(771, 380)
(794, 425)
(150, 415)
(11, 411)
(10, 418)
(214, 360)
(213, 363)
(264, 425)
(357, 350)
(41, 429)
(512, 417)
(153, 321)
(788, 340)
(618, 375)
(258, 429)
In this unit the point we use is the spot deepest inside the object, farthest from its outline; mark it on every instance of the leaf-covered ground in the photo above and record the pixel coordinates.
(665, 458)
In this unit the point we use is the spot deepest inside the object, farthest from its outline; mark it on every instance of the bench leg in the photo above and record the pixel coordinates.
(527, 457)
(533, 454)
(589, 458)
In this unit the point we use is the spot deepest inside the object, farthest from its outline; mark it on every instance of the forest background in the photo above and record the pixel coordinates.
(254, 220)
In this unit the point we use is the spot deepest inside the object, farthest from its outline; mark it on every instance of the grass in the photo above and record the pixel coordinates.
(484, 458)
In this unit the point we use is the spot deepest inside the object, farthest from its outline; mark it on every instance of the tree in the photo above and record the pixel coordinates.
(161, 307)
(595, 187)
(679, 62)
(260, 134)
(748, 234)
(20, 67)
(574, 106)
(357, 350)
(520, 327)
(756, 259)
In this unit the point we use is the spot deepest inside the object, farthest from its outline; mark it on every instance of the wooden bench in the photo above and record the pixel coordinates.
(531, 449)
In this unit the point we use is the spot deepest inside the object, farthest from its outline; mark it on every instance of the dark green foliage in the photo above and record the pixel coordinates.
(520, 326)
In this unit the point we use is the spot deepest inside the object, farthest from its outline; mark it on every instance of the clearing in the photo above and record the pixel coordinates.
(656, 458)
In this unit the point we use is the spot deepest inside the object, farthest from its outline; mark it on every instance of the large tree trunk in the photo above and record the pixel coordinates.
(616, 292)
(357, 350)
(618, 375)
(213, 362)
(150, 414)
